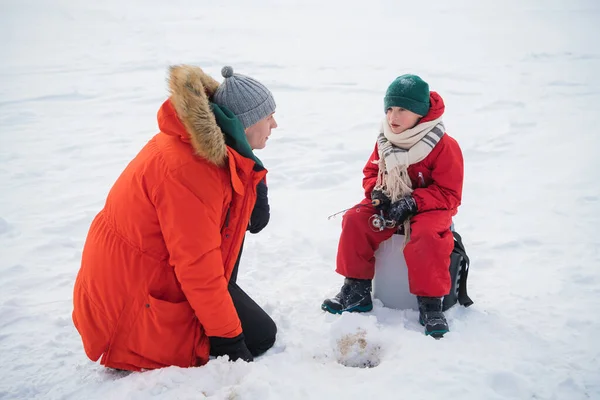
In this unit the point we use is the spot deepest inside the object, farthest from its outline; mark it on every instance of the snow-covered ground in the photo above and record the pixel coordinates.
(80, 85)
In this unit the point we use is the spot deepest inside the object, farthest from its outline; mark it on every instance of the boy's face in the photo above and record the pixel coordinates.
(258, 133)
(401, 119)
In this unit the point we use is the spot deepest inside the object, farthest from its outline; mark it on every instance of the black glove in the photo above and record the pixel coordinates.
(380, 201)
(404, 208)
(261, 212)
(234, 347)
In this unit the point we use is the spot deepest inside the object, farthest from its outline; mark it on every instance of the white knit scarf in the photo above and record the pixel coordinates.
(398, 151)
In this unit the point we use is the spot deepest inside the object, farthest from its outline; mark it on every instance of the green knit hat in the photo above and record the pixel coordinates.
(409, 92)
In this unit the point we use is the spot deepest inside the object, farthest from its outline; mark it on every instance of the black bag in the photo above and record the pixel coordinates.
(459, 270)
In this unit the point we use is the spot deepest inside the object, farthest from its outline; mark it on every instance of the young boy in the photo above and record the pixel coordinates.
(415, 176)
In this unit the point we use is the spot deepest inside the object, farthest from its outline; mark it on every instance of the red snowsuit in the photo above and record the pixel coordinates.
(437, 194)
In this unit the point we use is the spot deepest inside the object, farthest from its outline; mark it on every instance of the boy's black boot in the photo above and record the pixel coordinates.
(355, 296)
(432, 317)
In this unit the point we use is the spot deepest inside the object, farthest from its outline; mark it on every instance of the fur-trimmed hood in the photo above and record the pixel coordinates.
(191, 88)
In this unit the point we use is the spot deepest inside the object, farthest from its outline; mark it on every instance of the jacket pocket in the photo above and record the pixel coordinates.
(165, 332)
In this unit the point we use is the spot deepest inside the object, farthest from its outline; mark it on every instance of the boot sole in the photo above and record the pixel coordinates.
(434, 334)
(366, 308)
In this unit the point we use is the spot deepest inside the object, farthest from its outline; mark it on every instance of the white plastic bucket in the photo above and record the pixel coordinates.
(390, 284)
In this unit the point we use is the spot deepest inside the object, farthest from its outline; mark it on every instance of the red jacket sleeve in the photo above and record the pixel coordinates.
(190, 222)
(370, 172)
(447, 173)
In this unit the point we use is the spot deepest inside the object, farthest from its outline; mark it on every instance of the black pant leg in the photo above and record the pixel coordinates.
(259, 329)
(236, 267)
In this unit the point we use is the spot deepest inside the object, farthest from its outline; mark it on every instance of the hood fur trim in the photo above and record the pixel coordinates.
(190, 91)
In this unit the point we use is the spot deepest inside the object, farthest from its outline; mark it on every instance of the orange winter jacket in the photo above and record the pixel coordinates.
(157, 259)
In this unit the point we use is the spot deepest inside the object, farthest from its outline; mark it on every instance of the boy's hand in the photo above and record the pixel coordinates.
(380, 201)
(403, 209)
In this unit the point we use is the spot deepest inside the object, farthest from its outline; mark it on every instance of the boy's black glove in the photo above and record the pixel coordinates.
(380, 201)
(404, 208)
(234, 347)
(261, 212)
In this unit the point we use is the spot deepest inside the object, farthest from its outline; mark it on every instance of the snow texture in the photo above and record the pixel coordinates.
(80, 85)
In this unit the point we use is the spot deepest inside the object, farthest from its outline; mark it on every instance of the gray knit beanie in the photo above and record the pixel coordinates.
(247, 98)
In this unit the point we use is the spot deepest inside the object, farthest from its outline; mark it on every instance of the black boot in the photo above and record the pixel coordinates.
(432, 317)
(355, 296)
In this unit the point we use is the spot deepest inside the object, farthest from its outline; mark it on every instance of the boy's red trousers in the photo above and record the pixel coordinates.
(427, 253)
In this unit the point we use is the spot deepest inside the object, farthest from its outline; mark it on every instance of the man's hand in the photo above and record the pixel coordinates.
(261, 212)
(234, 347)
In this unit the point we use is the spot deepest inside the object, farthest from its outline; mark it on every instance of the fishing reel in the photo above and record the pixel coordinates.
(378, 222)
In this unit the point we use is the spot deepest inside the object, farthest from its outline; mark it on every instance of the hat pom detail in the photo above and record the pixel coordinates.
(227, 71)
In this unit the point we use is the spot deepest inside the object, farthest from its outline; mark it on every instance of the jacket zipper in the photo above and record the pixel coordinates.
(421, 180)
(226, 223)
(245, 202)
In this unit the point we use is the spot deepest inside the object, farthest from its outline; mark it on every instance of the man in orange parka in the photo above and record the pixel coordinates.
(155, 287)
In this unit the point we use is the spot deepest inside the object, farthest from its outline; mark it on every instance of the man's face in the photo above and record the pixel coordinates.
(259, 133)
(401, 119)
